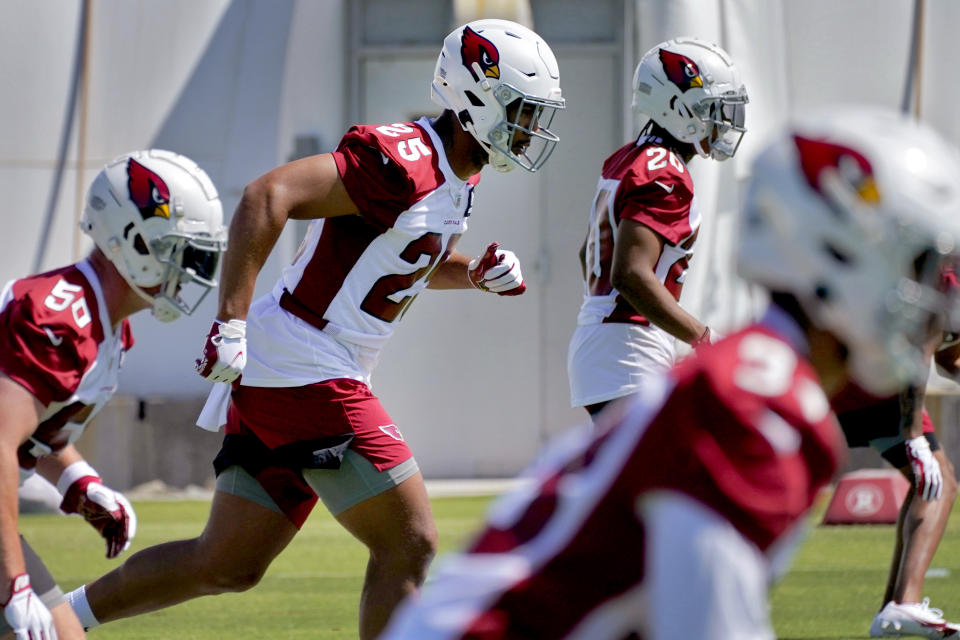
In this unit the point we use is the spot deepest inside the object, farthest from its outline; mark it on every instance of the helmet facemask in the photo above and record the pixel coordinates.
(725, 117)
(190, 265)
(532, 117)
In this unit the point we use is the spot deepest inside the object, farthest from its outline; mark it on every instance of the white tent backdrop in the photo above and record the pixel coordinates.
(476, 384)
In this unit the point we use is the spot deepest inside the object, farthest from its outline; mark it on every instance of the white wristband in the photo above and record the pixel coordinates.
(73, 473)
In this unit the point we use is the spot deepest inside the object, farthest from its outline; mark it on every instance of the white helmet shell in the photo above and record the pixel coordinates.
(485, 67)
(692, 89)
(856, 213)
(157, 216)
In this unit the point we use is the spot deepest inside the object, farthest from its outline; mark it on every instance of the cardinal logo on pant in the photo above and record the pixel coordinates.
(392, 431)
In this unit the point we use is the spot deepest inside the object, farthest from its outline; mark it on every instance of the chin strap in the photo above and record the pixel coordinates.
(703, 153)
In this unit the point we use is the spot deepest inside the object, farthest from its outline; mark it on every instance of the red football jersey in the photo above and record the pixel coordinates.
(358, 274)
(57, 341)
(648, 183)
(744, 429)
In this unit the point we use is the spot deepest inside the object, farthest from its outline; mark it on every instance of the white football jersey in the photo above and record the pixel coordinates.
(354, 276)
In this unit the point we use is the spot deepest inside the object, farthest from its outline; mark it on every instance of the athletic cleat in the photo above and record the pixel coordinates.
(912, 619)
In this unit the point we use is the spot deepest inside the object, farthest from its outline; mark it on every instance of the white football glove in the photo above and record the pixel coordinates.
(107, 511)
(497, 271)
(926, 469)
(26, 614)
(224, 351)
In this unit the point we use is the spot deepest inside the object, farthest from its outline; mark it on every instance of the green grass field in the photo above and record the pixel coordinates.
(311, 590)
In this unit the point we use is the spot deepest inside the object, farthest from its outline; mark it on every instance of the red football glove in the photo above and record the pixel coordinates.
(224, 351)
(105, 509)
(497, 271)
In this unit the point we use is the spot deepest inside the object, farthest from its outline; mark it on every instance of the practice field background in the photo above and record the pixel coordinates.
(241, 86)
(312, 589)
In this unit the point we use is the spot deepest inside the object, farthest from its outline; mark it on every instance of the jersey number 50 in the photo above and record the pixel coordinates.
(65, 295)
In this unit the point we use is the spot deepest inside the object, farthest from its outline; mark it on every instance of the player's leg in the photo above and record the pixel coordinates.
(920, 527)
(389, 512)
(920, 533)
(241, 539)
(703, 579)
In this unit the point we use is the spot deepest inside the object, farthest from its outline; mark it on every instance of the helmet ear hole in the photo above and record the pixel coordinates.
(140, 246)
(837, 255)
(474, 100)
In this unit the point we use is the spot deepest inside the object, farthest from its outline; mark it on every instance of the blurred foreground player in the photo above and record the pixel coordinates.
(390, 206)
(157, 224)
(671, 519)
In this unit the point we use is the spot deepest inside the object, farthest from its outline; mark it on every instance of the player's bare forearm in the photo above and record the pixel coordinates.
(911, 411)
(52, 466)
(304, 189)
(633, 272)
(452, 274)
(19, 415)
(911, 406)
(649, 297)
(911, 403)
(11, 555)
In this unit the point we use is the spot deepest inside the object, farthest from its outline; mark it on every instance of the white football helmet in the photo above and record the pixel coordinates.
(856, 213)
(692, 89)
(157, 216)
(494, 75)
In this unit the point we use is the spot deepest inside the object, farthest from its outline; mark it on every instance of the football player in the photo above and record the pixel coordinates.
(644, 222)
(157, 224)
(900, 429)
(670, 518)
(391, 204)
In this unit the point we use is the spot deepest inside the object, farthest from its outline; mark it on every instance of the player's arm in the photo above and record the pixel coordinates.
(496, 271)
(926, 470)
(452, 274)
(84, 493)
(635, 256)
(20, 415)
(22, 609)
(303, 189)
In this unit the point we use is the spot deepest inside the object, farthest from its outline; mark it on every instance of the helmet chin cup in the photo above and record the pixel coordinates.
(164, 310)
(502, 162)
